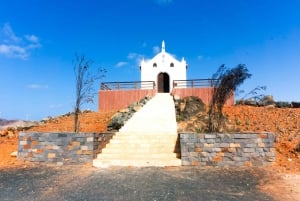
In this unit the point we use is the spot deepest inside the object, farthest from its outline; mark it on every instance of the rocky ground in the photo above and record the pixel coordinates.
(284, 122)
(42, 183)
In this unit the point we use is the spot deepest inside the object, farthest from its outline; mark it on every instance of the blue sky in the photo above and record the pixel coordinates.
(38, 40)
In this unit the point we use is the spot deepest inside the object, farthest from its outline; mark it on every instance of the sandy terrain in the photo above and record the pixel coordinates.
(282, 180)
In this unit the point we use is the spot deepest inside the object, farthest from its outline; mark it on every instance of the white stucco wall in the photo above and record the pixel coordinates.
(163, 62)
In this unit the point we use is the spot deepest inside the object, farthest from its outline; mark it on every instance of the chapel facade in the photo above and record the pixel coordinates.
(162, 69)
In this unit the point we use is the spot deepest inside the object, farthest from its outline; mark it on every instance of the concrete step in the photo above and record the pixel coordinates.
(151, 140)
(146, 135)
(137, 156)
(141, 150)
(142, 129)
(139, 144)
(136, 163)
(126, 146)
(139, 133)
(142, 141)
(142, 147)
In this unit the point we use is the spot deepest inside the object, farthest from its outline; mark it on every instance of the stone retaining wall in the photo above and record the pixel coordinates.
(234, 149)
(61, 148)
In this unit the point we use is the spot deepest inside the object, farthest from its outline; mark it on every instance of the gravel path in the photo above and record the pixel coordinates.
(87, 183)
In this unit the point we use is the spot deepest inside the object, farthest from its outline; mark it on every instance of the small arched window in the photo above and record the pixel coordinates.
(154, 65)
(171, 64)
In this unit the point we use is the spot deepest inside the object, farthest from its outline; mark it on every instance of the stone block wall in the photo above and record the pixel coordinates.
(61, 148)
(236, 149)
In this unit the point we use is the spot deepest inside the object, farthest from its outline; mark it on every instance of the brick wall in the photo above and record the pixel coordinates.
(205, 94)
(234, 149)
(118, 99)
(61, 148)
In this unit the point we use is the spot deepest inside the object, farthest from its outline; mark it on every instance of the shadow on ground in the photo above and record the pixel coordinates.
(87, 183)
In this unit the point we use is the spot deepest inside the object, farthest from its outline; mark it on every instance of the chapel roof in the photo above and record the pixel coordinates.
(163, 56)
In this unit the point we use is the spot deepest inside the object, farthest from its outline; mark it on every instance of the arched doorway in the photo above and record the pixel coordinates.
(163, 83)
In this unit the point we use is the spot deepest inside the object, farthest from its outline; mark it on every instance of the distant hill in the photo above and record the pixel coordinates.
(4, 123)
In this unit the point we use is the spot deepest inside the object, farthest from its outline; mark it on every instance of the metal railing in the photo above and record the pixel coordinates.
(127, 85)
(195, 83)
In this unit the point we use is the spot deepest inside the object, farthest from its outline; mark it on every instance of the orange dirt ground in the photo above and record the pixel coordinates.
(89, 122)
(284, 122)
(283, 182)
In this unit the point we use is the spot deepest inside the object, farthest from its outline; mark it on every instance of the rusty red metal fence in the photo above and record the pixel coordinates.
(127, 85)
(194, 83)
(118, 95)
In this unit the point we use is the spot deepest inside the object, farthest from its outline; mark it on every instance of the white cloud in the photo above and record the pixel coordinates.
(144, 44)
(13, 51)
(132, 55)
(203, 58)
(121, 64)
(9, 33)
(13, 46)
(200, 57)
(33, 46)
(37, 86)
(136, 57)
(156, 49)
(32, 38)
(53, 106)
(163, 2)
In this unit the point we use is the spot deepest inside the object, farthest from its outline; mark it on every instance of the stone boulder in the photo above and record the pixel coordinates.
(250, 102)
(122, 116)
(188, 107)
(266, 100)
(297, 148)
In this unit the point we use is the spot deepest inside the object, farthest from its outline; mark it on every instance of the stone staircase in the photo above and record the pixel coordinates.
(149, 138)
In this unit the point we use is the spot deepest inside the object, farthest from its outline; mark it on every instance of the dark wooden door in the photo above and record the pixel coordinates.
(163, 81)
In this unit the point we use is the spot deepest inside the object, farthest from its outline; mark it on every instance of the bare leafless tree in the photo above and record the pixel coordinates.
(226, 82)
(84, 83)
(255, 94)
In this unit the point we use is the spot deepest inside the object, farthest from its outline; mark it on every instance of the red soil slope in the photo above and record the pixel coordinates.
(285, 123)
(89, 122)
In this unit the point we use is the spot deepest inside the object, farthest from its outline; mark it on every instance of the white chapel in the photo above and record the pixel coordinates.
(163, 69)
